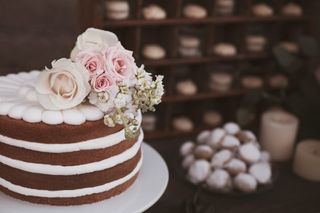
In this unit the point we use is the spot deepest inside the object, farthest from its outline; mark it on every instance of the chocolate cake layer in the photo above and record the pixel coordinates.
(59, 182)
(54, 134)
(65, 159)
(73, 201)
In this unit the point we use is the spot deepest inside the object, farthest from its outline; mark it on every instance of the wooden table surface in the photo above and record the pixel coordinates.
(290, 193)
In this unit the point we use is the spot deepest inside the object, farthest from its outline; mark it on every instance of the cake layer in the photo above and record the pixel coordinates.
(65, 158)
(56, 134)
(77, 169)
(68, 182)
(69, 193)
(87, 199)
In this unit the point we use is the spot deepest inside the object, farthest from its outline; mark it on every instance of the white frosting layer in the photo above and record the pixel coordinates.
(97, 143)
(18, 100)
(74, 170)
(69, 193)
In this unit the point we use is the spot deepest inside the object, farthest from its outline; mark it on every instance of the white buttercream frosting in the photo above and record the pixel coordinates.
(69, 193)
(18, 100)
(74, 170)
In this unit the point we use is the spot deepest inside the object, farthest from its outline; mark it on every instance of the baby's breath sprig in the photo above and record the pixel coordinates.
(144, 95)
(148, 93)
(130, 123)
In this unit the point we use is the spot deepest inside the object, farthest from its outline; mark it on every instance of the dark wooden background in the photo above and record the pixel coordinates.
(33, 33)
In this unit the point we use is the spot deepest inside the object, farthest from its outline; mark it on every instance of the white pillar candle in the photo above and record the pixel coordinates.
(307, 160)
(278, 133)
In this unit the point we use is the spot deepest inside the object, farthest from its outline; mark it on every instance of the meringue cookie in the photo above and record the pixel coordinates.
(292, 9)
(212, 118)
(251, 82)
(186, 87)
(220, 81)
(189, 52)
(203, 137)
(224, 49)
(220, 158)
(203, 152)
(183, 124)
(188, 161)
(153, 51)
(235, 166)
(117, 10)
(154, 12)
(245, 182)
(261, 171)
(215, 138)
(246, 136)
(189, 41)
(189, 46)
(249, 153)
(219, 180)
(187, 148)
(262, 10)
(255, 43)
(230, 142)
(231, 128)
(224, 7)
(199, 171)
(194, 11)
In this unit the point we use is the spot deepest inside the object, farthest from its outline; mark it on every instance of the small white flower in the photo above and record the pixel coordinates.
(118, 119)
(108, 121)
(122, 100)
(103, 97)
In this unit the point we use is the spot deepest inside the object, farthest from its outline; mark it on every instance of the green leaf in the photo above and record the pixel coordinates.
(245, 116)
(308, 46)
(286, 60)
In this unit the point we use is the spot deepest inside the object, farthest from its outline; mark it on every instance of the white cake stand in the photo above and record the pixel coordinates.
(147, 189)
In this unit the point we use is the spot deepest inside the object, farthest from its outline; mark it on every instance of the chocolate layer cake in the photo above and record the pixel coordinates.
(60, 157)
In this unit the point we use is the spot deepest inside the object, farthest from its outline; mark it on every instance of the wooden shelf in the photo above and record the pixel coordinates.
(136, 32)
(205, 59)
(209, 20)
(204, 96)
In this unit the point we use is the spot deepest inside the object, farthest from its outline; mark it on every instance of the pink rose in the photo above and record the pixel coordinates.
(120, 62)
(92, 60)
(102, 82)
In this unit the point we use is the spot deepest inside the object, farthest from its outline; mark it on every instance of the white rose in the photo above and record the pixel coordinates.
(95, 39)
(64, 86)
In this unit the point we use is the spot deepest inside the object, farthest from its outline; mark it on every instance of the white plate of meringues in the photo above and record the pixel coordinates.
(147, 190)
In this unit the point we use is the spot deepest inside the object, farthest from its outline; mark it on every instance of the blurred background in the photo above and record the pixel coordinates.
(34, 33)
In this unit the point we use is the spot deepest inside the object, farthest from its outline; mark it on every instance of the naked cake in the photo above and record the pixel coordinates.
(71, 134)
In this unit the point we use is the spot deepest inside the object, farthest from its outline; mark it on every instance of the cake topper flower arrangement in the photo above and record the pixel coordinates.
(102, 72)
